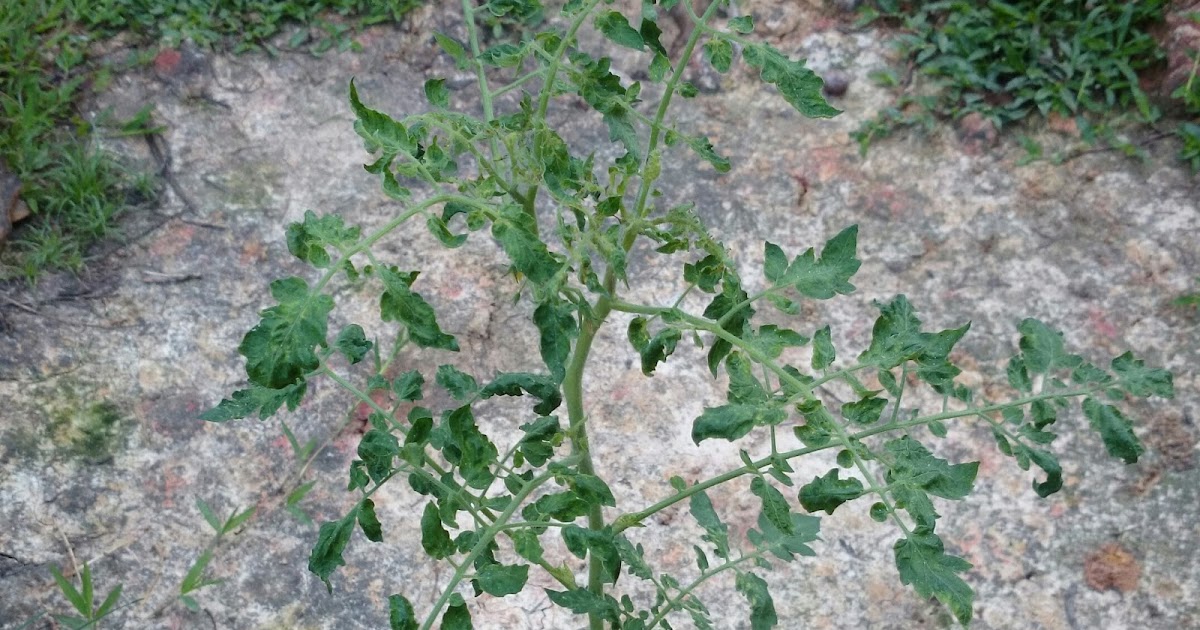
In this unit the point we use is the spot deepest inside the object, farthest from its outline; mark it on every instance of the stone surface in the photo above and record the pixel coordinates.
(102, 458)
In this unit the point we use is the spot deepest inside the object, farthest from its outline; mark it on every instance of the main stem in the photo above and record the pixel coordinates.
(573, 393)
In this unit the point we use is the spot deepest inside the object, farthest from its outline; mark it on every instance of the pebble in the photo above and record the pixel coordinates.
(836, 83)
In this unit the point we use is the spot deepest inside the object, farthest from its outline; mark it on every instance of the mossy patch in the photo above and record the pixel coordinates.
(91, 431)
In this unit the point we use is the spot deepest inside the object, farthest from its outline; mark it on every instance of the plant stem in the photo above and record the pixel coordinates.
(573, 394)
(485, 539)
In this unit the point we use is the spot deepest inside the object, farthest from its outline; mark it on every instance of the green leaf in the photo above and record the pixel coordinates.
(109, 602)
(541, 387)
(379, 130)
(601, 544)
(369, 522)
(616, 28)
(209, 516)
(352, 342)
(731, 422)
(457, 617)
(1018, 376)
(1137, 380)
(280, 350)
(805, 529)
(716, 532)
(774, 506)
(502, 56)
(461, 385)
(774, 262)
(828, 492)
(864, 411)
(896, 337)
(400, 304)
(257, 400)
(633, 557)
(823, 352)
(537, 445)
(771, 340)
(455, 49)
(435, 540)
(744, 388)
(1115, 429)
(527, 545)
(584, 602)
(437, 94)
(704, 148)
(308, 239)
(499, 580)
(593, 490)
(799, 86)
(829, 275)
(924, 563)
(743, 24)
(437, 227)
(237, 520)
(1042, 348)
(377, 449)
(517, 235)
(400, 613)
(194, 578)
(818, 428)
(1049, 464)
(653, 350)
(326, 555)
(914, 464)
(84, 606)
(476, 453)
(407, 386)
(762, 607)
(719, 52)
(555, 321)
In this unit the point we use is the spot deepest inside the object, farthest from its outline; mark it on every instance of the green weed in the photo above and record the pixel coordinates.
(1007, 61)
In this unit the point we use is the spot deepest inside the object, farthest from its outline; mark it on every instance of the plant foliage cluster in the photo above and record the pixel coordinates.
(1007, 61)
(566, 218)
